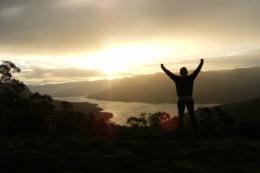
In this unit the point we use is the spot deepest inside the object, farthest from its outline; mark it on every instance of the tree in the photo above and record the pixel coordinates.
(10, 88)
(7, 68)
(137, 122)
(156, 120)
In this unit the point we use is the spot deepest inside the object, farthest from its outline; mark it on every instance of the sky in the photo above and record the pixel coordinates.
(69, 40)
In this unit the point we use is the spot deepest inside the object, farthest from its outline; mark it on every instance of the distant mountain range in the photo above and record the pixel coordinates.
(210, 87)
(73, 89)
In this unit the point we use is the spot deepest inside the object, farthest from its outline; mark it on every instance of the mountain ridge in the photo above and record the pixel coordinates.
(211, 87)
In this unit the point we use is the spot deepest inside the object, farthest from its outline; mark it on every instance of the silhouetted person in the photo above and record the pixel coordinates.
(184, 87)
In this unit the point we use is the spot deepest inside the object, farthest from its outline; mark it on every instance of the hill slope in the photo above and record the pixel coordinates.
(210, 87)
(246, 111)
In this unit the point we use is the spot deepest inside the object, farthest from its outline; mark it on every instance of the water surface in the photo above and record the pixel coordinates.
(123, 110)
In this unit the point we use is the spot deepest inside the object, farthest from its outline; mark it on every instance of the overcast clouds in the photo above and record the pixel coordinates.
(58, 28)
(52, 26)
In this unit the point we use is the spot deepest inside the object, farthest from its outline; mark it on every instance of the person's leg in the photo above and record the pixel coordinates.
(190, 107)
(181, 107)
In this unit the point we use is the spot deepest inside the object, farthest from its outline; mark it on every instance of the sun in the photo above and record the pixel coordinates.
(129, 58)
(112, 67)
(121, 59)
(111, 61)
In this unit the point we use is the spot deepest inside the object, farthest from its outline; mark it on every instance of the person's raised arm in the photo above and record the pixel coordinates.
(196, 72)
(169, 73)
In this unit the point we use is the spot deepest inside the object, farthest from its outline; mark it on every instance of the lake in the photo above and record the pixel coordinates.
(123, 110)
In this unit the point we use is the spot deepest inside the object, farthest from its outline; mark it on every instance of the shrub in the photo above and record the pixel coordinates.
(214, 119)
(158, 120)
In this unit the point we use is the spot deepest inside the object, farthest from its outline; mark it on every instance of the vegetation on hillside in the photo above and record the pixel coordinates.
(32, 113)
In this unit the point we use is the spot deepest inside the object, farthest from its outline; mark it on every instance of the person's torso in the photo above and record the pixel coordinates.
(184, 86)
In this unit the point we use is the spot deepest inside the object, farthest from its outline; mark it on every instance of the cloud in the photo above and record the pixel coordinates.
(67, 74)
(69, 26)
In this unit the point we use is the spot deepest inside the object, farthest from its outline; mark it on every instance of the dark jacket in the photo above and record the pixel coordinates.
(184, 85)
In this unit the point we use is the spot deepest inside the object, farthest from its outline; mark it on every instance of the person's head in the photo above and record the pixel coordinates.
(183, 71)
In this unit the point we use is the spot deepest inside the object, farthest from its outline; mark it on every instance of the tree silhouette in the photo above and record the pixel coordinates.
(7, 68)
(157, 119)
(9, 88)
(137, 122)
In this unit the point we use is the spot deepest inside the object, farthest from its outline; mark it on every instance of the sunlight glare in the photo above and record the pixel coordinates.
(121, 59)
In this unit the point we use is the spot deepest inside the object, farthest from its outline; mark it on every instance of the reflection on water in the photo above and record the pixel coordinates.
(123, 110)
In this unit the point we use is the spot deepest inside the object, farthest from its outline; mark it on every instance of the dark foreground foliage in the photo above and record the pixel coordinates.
(131, 150)
(35, 113)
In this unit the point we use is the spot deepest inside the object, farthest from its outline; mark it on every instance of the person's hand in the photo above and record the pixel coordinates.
(162, 66)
